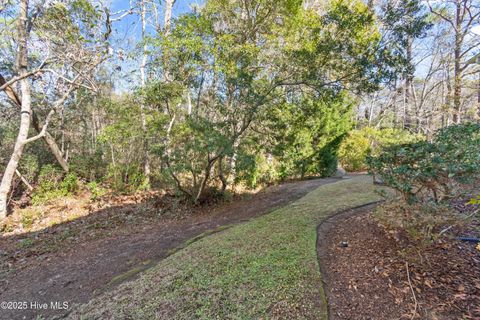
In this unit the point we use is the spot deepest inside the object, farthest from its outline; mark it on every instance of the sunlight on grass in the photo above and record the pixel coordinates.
(266, 268)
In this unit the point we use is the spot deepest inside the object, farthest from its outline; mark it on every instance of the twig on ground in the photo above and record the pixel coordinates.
(471, 215)
(445, 230)
(413, 292)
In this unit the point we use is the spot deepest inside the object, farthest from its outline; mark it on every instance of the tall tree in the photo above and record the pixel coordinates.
(143, 81)
(66, 57)
(404, 22)
(238, 57)
(25, 113)
(461, 16)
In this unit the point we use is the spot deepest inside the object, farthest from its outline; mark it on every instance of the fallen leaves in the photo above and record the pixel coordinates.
(445, 277)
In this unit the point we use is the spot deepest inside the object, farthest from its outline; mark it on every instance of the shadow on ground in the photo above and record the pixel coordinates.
(75, 260)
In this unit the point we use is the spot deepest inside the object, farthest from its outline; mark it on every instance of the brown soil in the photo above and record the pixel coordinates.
(80, 266)
(368, 279)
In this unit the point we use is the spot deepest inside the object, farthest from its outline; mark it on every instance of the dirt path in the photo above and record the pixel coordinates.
(75, 275)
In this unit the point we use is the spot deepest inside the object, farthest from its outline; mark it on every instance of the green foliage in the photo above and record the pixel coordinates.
(306, 134)
(283, 70)
(27, 221)
(123, 142)
(26, 243)
(69, 183)
(475, 201)
(255, 170)
(96, 190)
(370, 141)
(28, 217)
(404, 21)
(52, 184)
(427, 174)
(78, 19)
(125, 177)
(433, 170)
(327, 157)
(233, 70)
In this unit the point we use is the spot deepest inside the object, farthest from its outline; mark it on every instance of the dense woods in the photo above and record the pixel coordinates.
(230, 93)
(262, 159)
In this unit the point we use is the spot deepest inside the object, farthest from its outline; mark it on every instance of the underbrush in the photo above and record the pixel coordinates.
(359, 144)
(432, 177)
(421, 223)
(52, 185)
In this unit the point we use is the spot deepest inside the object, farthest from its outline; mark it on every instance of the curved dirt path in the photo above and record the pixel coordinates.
(77, 274)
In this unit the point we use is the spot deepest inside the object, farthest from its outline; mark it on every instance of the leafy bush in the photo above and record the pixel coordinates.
(69, 183)
(52, 184)
(126, 177)
(255, 170)
(28, 217)
(359, 144)
(96, 190)
(434, 170)
(428, 174)
(328, 159)
(306, 134)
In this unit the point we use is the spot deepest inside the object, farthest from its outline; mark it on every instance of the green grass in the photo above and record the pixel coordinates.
(265, 268)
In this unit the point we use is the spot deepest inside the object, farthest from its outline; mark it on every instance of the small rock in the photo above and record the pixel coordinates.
(344, 244)
(340, 172)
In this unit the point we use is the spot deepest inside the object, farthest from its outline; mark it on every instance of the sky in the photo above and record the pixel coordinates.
(127, 35)
(180, 7)
(476, 30)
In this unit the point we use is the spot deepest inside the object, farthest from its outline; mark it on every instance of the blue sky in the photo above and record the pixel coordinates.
(180, 7)
(127, 35)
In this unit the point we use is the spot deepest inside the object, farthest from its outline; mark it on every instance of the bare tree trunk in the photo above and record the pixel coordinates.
(146, 155)
(408, 86)
(448, 99)
(478, 95)
(233, 161)
(168, 16)
(51, 143)
(203, 184)
(221, 175)
(394, 105)
(25, 113)
(189, 103)
(167, 26)
(457, 83)
(24, 180)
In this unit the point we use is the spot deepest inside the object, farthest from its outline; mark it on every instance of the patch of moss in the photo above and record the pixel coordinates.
(26, 243)
(28, 217)
(130, 273)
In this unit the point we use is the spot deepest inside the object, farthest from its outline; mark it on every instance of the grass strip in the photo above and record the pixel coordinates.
(263, 269)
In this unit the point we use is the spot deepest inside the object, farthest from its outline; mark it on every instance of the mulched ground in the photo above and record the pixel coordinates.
(368, 279)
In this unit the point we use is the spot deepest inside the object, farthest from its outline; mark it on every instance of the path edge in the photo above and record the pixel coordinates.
(349, 212)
